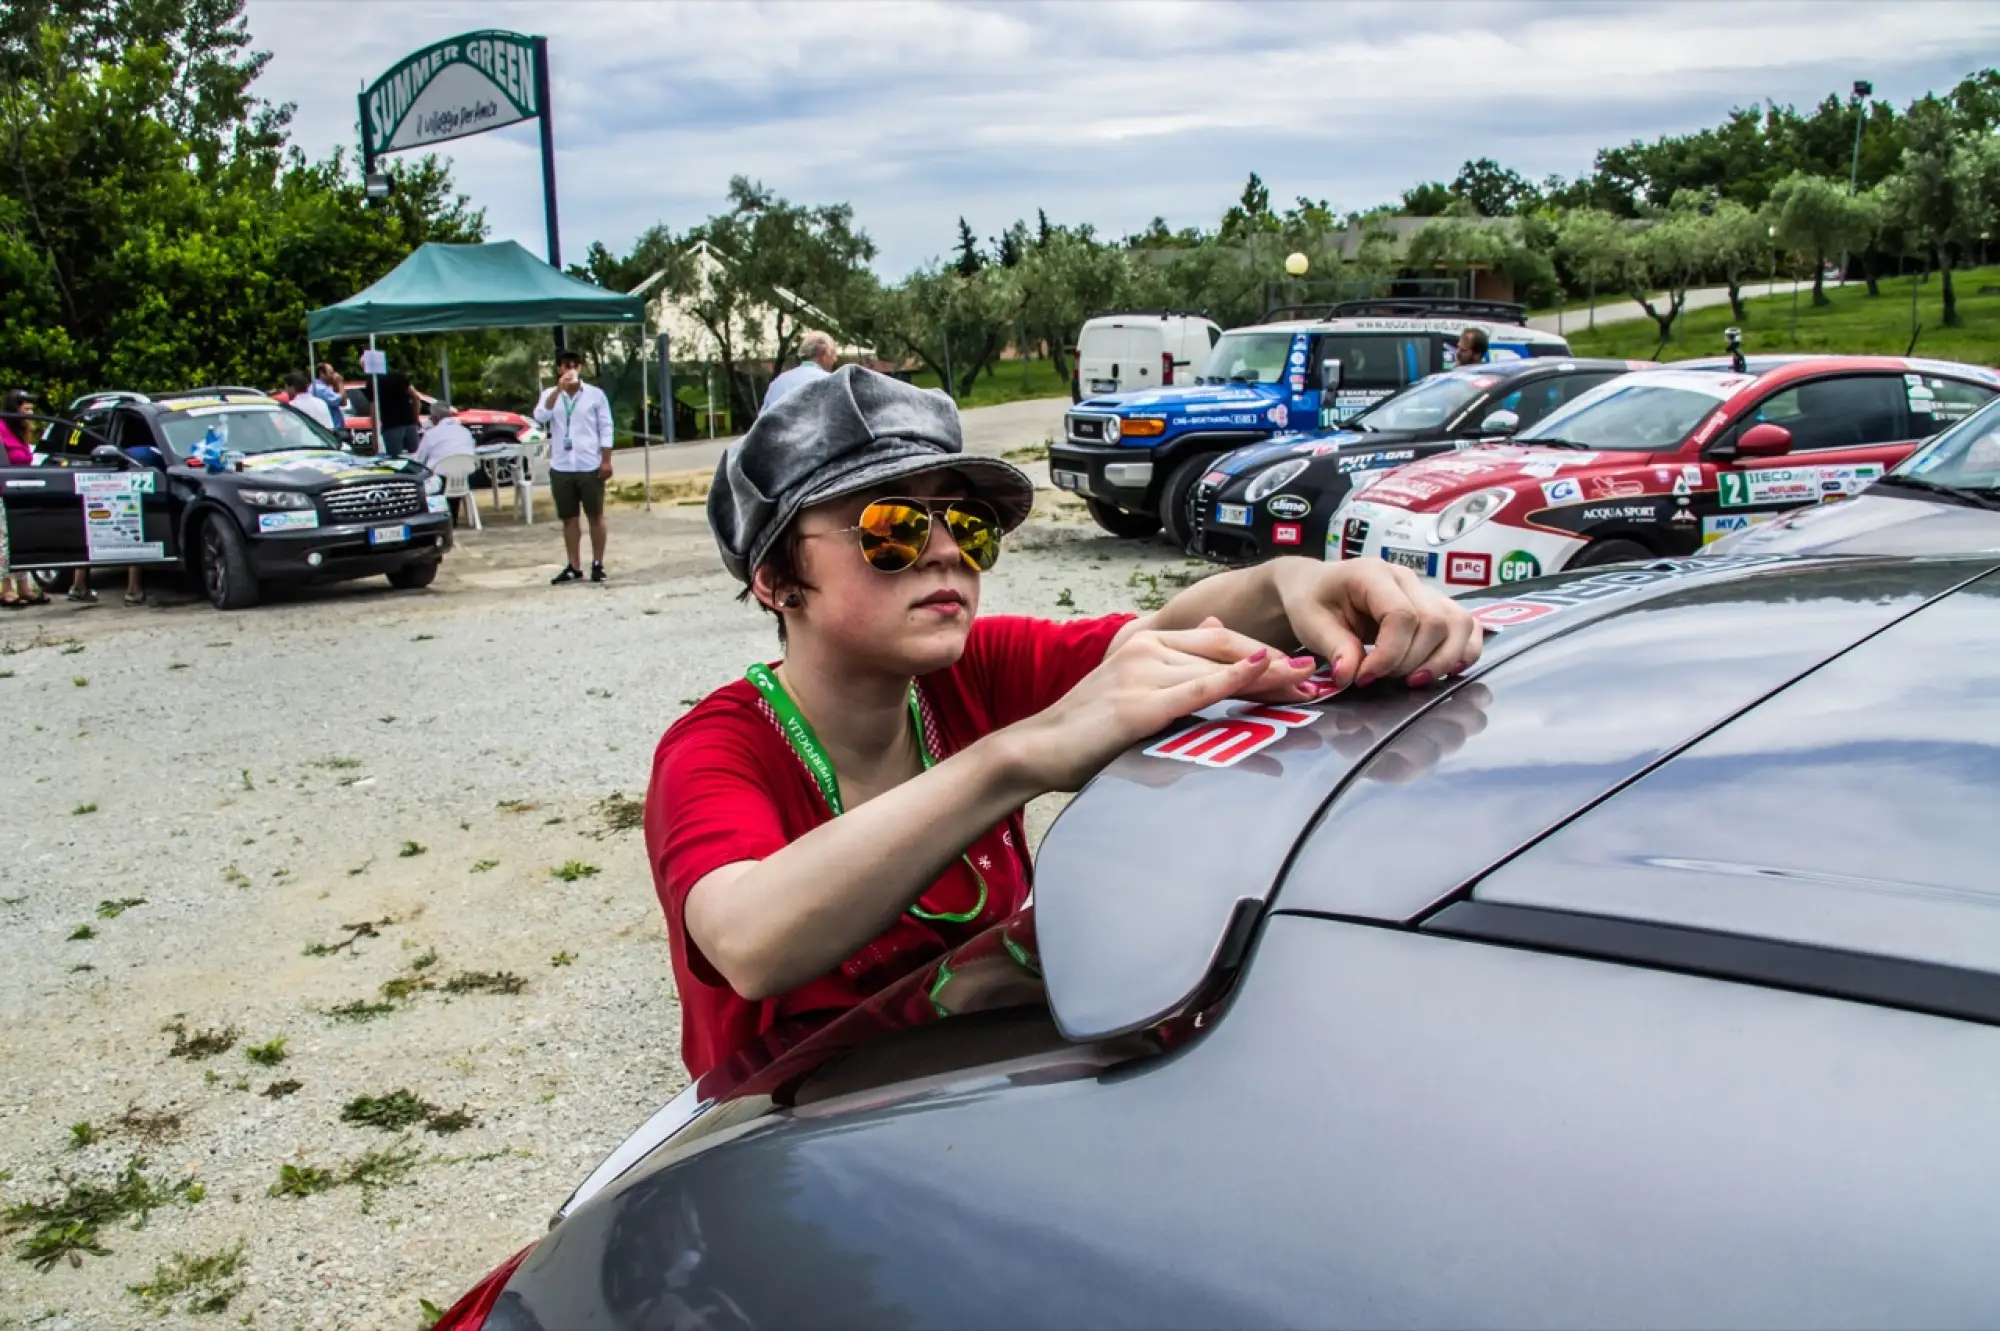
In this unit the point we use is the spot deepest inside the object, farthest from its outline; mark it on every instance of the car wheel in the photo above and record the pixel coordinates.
(1174, 498)
(410, 577)
(225, 566)
(1609, 552)
(1121, 522)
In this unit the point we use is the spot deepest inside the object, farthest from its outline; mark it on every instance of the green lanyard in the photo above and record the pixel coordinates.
(799, 733)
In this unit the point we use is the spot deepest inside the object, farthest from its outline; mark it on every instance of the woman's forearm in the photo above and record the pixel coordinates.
(771, 925)
(1245, 600)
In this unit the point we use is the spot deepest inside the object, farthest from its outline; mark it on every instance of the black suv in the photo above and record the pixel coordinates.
(114, 484)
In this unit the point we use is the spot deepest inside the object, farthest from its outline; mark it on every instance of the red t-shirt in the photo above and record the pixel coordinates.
(727, 787)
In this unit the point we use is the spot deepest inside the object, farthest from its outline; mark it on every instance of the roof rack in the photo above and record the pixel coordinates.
(212, 388)
(1162, 314)
(1500, 311)
(109, 395)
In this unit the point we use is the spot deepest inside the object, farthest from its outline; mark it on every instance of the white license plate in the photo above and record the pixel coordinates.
(388, 535)
(1232, 515)
(1103, 385)
(1068, 480)
(1417, 561)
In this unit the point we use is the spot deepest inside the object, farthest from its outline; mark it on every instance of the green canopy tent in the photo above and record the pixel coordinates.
(453, 288)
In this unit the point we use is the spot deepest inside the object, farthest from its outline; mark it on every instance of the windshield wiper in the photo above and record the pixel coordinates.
(1553, 443)
(1971, 497)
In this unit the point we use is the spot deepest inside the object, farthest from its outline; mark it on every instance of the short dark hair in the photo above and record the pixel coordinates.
(569, 357)
(1478, 336)
(295, 381)
(783, 563)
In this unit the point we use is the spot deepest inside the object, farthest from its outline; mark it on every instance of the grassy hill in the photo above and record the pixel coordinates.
(1852, 323)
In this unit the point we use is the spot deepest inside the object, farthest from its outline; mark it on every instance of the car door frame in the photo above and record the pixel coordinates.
(47, 525)
(1721, 453)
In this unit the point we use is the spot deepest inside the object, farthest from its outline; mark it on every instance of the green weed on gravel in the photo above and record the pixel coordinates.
(411, 850)
(573, 871)
(391, 1113)
(485, 982)
(203, 1284)
(389, 1167)
(278, 1090)
(82, 1135)
(267, 1055)
(483, 865)
(81, 809)
(202, 1044)
(70, 1223)
(111, 910)
(355, 933)
(620, 813)
(360, 1010)
(83, 933)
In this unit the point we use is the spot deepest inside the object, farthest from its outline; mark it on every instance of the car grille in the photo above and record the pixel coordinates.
(1089, 429)
(376, 499)
(1353, 536)
(1200, 497)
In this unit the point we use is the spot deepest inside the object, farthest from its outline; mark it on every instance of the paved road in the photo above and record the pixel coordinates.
(1625, 311)
(988, 430)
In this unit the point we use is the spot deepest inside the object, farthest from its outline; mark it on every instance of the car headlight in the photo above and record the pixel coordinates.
(1112, 429)
(1462, 515)
(1274, 479)
(435, 485)
(276, 499)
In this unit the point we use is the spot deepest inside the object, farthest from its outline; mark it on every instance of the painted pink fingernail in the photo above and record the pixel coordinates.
(1421, 678)
(1262, 653)
(1299, 662)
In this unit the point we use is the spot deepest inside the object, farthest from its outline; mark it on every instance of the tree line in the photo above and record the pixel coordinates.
(156, 230)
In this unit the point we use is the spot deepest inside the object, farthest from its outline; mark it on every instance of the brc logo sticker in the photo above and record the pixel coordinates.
(1468, 569)
(1227, 740)
(1286, 533)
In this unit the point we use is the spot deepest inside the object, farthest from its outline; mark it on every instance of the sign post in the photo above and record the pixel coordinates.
(465, 85)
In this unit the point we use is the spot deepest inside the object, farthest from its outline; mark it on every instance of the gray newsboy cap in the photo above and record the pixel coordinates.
(840, 434)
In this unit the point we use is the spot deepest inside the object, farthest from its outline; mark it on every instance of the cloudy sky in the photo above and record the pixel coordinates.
(1109, 112)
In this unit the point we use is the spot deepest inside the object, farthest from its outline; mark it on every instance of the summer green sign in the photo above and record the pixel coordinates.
(463, 85)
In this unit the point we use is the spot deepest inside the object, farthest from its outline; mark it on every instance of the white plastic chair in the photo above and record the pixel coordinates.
(533, 471)
(456, 470)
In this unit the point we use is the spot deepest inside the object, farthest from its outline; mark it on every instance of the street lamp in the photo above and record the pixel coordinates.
(1863, 89)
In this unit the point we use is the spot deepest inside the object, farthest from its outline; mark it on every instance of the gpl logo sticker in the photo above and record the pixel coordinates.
(1227, 740)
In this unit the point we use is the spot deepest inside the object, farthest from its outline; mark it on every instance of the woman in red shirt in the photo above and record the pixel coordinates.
(842, 817)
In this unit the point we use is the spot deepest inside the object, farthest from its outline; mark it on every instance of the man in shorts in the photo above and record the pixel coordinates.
(578, 418)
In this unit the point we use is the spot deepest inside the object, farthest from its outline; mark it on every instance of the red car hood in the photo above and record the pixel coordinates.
(1428, 485)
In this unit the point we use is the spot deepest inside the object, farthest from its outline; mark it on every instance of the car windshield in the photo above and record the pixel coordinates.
(1632, 418)
(1425, 406)
(1248, 358)
(258, 428)
(1965, 457)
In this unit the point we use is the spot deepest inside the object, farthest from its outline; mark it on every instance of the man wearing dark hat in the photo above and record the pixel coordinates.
(578, 417)
(851, 814)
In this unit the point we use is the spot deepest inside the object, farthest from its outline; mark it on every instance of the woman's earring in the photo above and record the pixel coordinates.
(790, 601)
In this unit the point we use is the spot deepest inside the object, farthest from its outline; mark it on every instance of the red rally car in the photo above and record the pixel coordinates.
(1659, 462)
(487, 425)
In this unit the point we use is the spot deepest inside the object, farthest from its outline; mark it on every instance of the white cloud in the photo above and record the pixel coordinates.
(1107, 113)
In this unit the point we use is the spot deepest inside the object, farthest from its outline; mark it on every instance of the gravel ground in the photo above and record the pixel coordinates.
(256, 783)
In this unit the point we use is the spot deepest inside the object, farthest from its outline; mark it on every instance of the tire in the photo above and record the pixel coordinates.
(1612, 551)
(226, 576)
(411, 577)
(1174, 498)
(1120, 522)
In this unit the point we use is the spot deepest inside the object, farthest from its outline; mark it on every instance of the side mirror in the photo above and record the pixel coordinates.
(1764, 440)
(1500, 422)
(104, 455)
(1329, 376)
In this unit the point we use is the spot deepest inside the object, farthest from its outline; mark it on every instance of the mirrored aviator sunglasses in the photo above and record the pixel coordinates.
(894, 532)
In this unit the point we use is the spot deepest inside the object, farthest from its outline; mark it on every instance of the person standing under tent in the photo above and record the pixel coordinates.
(578, 418)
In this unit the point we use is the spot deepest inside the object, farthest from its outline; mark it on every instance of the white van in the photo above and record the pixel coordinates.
(1140, 349)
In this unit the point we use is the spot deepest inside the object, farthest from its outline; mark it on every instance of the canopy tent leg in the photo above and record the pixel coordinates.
(645, 447)
(375, 402)
(444, 374)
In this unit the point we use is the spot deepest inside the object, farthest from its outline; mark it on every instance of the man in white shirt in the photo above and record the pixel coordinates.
(298, 393)
(446, 437)
(816, 358)
(578, 417)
